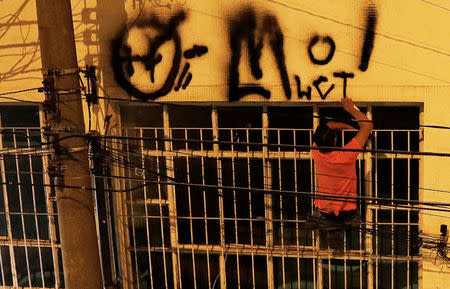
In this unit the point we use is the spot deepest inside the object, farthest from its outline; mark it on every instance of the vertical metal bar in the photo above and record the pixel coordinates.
(361, 274)
(110, 225)
(368, 158)
(2, 269)
(233, 170)
(250, 205)
(19, 186)
(121, 207)
(267, 172)
(141, 135)
(316, 239)
(421, 196)
(297, 237)
(280, 186)
(222, 265)
(51, 223)
(8, 222)
(329, 271)
(161, 220)
(205, 215)
(188, 175)
(7, 215)
(168, 146)
(345, 270)
(49, 203)
(392, 212)
(409, 213)
(133, 227)
(33, 191)
(375, 225)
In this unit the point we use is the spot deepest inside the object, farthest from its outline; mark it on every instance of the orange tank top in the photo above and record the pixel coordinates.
(336, 175)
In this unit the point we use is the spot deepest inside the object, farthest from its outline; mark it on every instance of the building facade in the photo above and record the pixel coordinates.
(206, 111)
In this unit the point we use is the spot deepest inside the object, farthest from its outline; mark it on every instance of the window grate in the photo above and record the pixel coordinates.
(30, 255)
(221, 237)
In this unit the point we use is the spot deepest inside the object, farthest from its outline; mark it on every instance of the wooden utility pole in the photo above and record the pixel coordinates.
(69, 167)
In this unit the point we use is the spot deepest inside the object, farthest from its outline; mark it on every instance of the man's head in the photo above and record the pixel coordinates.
(324, 137)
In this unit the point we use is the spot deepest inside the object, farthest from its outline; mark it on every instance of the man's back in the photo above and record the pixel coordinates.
(336, 176)
(335, 169)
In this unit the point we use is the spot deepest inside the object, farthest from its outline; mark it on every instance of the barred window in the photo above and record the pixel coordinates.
(224, 193)
(30, 254)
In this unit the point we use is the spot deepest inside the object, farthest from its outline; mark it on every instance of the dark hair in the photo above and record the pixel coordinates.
(324, 137)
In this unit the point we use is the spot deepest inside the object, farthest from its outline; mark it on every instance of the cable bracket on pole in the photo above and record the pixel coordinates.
(61, 72)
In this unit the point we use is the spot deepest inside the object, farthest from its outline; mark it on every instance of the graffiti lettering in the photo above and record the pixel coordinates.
(182, 75)
(314, 40)
(344, 75)
(301, 93)
(187, 81)
(371, 23)
(197, 50)
(316, 84)
(123, 58)
(245, 27)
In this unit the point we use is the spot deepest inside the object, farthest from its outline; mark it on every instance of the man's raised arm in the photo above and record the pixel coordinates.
(337, 125)
(365, 125)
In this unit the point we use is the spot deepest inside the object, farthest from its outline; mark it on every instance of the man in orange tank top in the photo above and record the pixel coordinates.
(335, 169)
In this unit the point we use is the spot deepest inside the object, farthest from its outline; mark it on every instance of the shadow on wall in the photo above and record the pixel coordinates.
(20, 59)
(103, 22)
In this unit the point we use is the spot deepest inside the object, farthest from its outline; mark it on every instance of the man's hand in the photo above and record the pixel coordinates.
(348, 104)
(365, 126)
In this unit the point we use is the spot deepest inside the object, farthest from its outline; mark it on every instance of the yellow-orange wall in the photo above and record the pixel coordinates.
(409, 63)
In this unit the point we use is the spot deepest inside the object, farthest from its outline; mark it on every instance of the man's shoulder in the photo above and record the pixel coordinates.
(353, 144)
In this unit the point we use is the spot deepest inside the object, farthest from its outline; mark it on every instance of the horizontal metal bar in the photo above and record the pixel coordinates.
(301, 155)
(227, 154)
(145, 128)
(11, 287)
(25, 151)
(29, 243)
(291, 146)
(278, 251)
(148, 201)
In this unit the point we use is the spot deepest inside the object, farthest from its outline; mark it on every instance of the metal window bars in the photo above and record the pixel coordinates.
(175, 236)
(30, 254)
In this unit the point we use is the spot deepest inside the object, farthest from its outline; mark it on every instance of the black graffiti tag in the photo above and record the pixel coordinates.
(316, 84)
(245, 28)
(314, 40)
(122, 58)
(369, 36)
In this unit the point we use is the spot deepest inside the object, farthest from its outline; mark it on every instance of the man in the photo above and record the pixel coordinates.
(336, 173)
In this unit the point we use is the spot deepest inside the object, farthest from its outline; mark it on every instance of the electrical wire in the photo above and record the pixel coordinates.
(355, 120)
(359, 28)
(436, 5)
(429, 243)
(303, 147)
(402, 68)
(2, 95)
(318, 195)
(188, 154)
(400, 202)
(46, 152)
